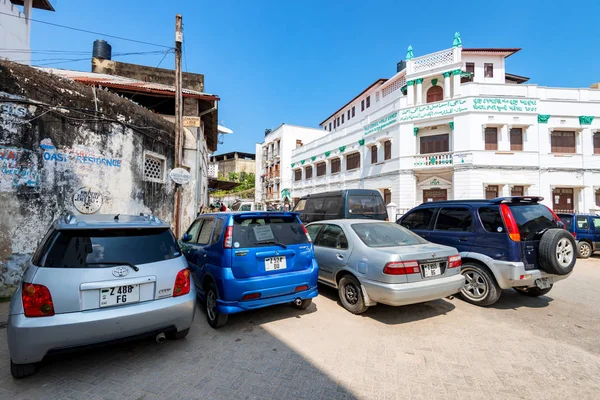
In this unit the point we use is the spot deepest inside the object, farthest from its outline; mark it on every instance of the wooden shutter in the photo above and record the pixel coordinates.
(335, 165)
(516, 139)
(491, 192)
(387, 196)
(297, 174)
(491, 138)
(598, 197)
(387, 150)
(352, 161)
(374, 154)
(435, 93)
(517, 191)
(435, 144)
(321, 169)
(563, 142)
(597, 143)
(309, 172)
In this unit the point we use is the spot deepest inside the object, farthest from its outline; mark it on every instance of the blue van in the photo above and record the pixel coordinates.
(246, 260)
(586, 231)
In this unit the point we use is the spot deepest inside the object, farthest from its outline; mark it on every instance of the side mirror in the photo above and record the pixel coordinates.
(186, 237)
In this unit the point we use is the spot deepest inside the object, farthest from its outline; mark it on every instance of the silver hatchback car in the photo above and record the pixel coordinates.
(372, 262)
(96, 279)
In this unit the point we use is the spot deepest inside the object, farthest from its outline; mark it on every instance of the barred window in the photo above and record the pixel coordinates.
(154, 168)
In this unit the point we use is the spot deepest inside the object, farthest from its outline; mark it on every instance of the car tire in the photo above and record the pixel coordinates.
(20, 371)
(350, 293)
(215, 319)
(304, 305)
(557, 252)
(178, 335)
(480, 288)
(533, 291)
(584, 250)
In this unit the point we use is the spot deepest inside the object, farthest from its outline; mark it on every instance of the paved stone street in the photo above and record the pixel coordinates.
(520, 348)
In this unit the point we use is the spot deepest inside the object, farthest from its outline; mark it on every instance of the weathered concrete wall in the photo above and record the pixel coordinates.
(58, 155)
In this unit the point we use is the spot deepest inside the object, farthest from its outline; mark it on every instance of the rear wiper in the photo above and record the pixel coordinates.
(272, 242)
(134, 267)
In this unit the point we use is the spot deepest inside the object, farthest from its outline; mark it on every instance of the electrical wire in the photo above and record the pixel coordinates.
(67, 60)
(87, 31)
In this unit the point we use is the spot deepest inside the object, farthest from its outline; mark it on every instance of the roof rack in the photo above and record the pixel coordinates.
(70, 219)
(517, 199)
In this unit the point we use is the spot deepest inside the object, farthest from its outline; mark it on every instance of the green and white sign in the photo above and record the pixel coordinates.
(380, 125)
(451, 107)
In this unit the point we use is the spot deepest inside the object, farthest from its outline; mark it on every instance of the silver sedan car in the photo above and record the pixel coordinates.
(372, 262)
(97, 279)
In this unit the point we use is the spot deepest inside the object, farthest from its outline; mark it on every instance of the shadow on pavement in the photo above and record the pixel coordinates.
(511, 300)
(241, 360)
(396, 315)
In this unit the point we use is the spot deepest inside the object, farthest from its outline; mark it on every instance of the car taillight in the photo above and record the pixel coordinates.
(306, 233)
(454, 261)
(228, 241)
(37, 301)
(402, 268)
(574, 234)
(511, 224)
(182, 283)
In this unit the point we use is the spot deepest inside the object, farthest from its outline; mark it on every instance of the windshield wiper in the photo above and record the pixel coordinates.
(134, 267)
(272, 242)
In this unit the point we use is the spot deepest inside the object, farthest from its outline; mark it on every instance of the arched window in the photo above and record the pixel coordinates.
(435, 93)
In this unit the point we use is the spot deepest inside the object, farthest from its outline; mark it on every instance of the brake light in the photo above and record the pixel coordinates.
(511, 224)
(454, 261)
(574, 234)
(402, 268)
(301, 288)
(228, 241)
(306, 233)
(182, 283)
(251, 296)
(37, 301)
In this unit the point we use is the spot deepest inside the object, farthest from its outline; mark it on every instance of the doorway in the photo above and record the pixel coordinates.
(562, 200)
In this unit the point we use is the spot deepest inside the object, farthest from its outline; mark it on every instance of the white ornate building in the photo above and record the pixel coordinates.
(455, 125)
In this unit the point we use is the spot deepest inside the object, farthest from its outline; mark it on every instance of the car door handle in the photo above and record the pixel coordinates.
(205, 255)
(339, 256)
(463, 239)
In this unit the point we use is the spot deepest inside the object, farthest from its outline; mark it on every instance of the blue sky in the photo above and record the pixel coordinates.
(298, 61)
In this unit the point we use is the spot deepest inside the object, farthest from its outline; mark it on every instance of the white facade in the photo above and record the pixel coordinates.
(437, 137)
(273, 169)
(15, 29)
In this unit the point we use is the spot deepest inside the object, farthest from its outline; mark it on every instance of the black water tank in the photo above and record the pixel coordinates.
(400, 66)
(102, 50)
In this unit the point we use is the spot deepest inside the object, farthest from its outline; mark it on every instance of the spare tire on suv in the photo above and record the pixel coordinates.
(557, 252)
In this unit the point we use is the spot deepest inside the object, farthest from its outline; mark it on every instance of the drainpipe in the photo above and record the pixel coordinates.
(199, 160)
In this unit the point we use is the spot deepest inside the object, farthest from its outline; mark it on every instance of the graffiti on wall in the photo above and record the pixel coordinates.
(12, 116)
(78, 156)
(18, 168)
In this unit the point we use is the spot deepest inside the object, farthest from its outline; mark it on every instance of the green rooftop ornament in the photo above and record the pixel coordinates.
(313, 158)
(457, 42)
(409, 54)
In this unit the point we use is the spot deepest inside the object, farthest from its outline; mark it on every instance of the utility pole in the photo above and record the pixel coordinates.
(178, 118)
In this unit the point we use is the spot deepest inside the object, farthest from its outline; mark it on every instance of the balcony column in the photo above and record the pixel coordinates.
(447, 84)
(419, 90)
(456, 82)
(410, 92)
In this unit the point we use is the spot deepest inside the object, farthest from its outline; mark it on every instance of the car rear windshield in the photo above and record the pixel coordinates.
(567, 220)
(365, 205)
(386, 235)
(532, 218)
(266, 231)
(105, 248)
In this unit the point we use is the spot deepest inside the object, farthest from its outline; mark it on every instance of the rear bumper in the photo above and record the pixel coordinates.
(513, 274)
(273, 289)
(411, 293)
(30, 339)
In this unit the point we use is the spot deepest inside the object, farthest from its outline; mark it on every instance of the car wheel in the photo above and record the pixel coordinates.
(304, 305)
(557, 252)
(351, 296)
(480, 286)
(533, 291)
(178, 335)
(214, 317)
(584, 250)
(19, 371)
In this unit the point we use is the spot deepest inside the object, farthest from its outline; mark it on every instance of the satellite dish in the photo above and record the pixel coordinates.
(223, 130)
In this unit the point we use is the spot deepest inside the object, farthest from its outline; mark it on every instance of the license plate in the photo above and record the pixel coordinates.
(275, 263)
(543, 283)
(115, 296)
(432, 269)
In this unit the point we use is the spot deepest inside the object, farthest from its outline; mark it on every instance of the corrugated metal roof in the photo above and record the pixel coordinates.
(120, 82)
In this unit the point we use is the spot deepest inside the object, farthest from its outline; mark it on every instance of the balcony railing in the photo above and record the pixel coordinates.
(434, 60)
(433, 160)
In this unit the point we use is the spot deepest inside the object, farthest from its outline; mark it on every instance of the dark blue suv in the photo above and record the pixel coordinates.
(512, 242)
(246, 260)
(586, 231)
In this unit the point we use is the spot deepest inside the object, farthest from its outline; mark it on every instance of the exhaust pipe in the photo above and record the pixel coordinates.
(161, 337)
(298, 301)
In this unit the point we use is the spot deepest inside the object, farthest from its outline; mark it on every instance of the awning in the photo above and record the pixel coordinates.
(221, 185)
